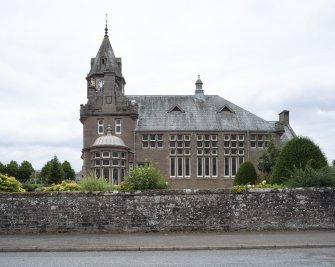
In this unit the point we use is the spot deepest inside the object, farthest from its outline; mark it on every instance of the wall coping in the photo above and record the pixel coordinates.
(167, 192)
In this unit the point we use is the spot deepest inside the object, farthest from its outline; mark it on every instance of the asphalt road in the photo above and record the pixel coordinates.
(321, 257)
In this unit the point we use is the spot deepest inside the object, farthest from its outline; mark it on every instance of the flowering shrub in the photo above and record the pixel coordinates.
(10, 184)
(63, 186)
(263, 184)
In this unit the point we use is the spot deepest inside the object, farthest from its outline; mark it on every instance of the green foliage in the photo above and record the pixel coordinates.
(246, 174)
(44, 174)
(25, 171)
(309, 177)
(12, 168)
(63, 186)
(143, 177)
(10, 184)
(269, 157)
(91, 183)
(2, 168)
(52, 172)
(296, 154)
(21, 172)
(56, 173)
(242, 188)
(32, 187)
(69, 173)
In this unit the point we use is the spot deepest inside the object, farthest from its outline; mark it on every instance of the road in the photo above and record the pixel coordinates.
(321, 257)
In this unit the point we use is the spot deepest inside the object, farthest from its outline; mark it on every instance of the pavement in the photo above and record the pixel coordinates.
(75, 242)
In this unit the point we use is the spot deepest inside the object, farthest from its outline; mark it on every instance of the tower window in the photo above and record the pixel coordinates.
(101, 126)
(118, 126)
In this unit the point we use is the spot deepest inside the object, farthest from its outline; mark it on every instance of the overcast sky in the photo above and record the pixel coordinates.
(265, 56)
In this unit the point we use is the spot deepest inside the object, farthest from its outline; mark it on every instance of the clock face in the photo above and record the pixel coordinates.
(92, 82)
(100, 84)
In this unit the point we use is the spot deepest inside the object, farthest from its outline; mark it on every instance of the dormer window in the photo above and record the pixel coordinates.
(226, 108)
(176, 108)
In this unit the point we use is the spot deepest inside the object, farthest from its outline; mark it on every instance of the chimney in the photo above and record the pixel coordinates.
(284, 117)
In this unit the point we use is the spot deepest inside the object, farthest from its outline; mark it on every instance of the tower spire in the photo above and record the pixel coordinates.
(106, 29)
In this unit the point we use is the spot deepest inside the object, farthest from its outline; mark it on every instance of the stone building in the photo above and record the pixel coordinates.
(196, 141)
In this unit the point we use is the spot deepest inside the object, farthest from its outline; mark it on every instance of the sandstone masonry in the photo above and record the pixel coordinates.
(256, 209)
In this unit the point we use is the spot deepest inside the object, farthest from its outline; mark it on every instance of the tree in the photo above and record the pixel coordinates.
(25, 171)
(246, 174)
(268, 159)
(69, 173)
(2, 168)
(297, 153)
(44, 174)
(52, 172)
(56, 172)
(12, 168)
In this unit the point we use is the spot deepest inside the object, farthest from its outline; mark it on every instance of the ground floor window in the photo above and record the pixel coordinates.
(109, 164)
(180, 167)
(231, 165)
(207, 167)
(113, 175)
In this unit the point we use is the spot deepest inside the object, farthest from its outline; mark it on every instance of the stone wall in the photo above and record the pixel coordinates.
(257, 209)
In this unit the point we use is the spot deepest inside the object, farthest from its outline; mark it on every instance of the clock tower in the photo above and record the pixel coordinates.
(106, 103)
(105, 81)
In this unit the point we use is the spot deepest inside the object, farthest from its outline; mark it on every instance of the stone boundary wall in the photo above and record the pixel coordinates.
(256, 209)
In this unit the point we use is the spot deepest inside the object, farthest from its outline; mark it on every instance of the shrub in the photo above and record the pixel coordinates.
(63, 186)
(32, 187)
(91, 183)
(246, 174)
(309, 177)
(10, 184)
(296, 154)
(242, 188)
(143, 177)
(268, 159)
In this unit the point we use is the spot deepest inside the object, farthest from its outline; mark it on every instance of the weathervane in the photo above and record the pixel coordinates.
(106, 29)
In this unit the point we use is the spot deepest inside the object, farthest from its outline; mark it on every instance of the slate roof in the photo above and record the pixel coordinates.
(287, 135)
(197, 114)
(105, 52)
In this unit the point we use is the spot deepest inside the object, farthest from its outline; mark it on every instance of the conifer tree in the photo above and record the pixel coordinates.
(69, 173)
(268, 159)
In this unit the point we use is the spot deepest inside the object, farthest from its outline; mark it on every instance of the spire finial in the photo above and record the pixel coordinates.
(199, 92)
(106, 29)
(109, 130)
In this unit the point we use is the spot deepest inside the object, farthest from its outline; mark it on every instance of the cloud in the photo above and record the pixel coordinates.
(265, 56)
